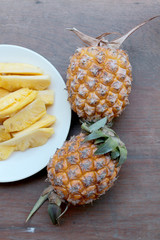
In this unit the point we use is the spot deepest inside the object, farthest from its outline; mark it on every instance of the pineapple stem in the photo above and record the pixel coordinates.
(85, 38)
(90, 41)
(100, 41)
(117, 42)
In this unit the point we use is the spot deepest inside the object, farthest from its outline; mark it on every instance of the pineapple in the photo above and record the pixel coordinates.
(15, 82)
(29, 139)
(26, 116)
(5, 152)
(99, 77)
(46, 121)
(15, 101)
(84, 168)
(47, 96)
(19, 68)
(3, 134)
(3, 92)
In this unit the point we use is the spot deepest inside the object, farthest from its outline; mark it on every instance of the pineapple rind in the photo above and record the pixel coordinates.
(99, 82)
(77, 175)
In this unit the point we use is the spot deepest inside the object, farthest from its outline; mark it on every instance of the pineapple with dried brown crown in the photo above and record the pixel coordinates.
(83, 169)
(99, 77)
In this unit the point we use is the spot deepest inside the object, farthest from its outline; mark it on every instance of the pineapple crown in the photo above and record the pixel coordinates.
(101, 41)
(106, 140)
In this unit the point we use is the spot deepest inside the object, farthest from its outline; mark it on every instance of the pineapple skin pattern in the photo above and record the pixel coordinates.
(77, 175)
(99, 82)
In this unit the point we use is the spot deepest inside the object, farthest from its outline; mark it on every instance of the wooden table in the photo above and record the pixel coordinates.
(131, 209)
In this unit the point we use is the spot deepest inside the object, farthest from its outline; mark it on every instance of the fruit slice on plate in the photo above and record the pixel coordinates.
(46, 121)
(30, 139)
(15, 82)
(5, 152)
(19, 68)
(15, 101)
(3, 92)
(47, 96)
(3, 134)
(26, 116)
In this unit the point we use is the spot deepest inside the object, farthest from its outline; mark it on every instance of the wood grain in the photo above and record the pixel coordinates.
(131, 209)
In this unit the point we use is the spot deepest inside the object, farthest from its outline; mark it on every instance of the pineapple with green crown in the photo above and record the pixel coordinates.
(83, 169)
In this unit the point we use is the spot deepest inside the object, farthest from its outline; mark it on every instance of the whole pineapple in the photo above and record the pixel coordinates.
(99, 77)
(84, 168)
(79, 176)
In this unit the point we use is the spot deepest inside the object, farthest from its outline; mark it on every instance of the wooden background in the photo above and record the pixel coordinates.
(131, 209)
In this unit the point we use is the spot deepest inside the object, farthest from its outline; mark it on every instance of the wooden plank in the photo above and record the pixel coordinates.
(131, 209)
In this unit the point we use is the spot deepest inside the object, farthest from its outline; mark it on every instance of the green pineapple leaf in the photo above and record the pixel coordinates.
(85, 127)
(115, 153)
(54, 212)
(95, 135)
(99, 140)
(106, 147)
(123, 155)
(38, 204)
(99, 124)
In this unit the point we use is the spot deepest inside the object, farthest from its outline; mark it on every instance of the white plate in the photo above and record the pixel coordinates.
(21, 165)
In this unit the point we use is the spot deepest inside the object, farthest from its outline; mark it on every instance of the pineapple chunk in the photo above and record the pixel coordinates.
(3, 134)
(19, 68)
(3, 92)
(15, 101)
(46, 121)
(26, 116)
(5, 152)
(15, 82)
(47, 96)
(29, 139)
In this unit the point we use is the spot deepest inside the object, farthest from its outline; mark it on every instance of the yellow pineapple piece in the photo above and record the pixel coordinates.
(26, 116)
(3, 134)
(3, 92)
(15, 82)
(5, 152)
(29, 139)
(46, 121)
(47, 96)
(19, 68)
(15, 101)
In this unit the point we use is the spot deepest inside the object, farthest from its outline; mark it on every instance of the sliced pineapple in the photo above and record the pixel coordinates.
(26, 116)
(3, 134)
(15, 82)
(19, 68)
(46, 121)
(29, 139)
(5, 152)
(3, 92)
(15, 101)
(47, 96)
